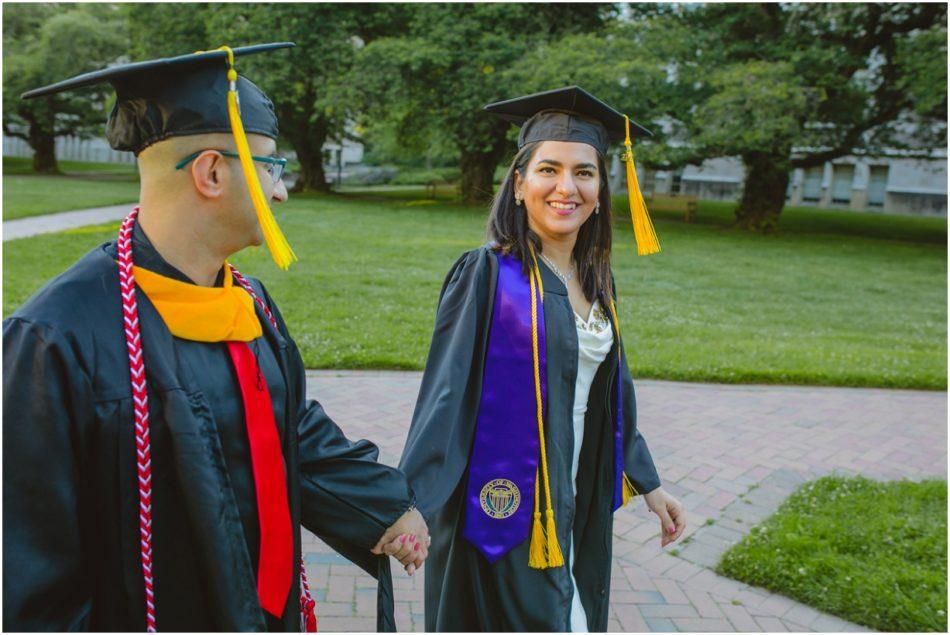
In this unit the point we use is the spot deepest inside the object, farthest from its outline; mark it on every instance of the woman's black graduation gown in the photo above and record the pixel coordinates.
(463, 592)
(71, 556)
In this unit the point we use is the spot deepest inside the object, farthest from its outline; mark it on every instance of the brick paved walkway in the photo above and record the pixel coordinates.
(712, 444)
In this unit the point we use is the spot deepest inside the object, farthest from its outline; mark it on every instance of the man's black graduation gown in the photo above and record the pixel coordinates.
(463, 591)
(71, 556)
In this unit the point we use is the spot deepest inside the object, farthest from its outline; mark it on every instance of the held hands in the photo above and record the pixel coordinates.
(407, 541)
(670, 511)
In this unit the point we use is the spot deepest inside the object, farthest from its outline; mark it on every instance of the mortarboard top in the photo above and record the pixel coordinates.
(175, 96)
(566, 114)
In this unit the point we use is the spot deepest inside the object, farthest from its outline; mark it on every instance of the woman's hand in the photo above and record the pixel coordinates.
(670, 511)
(407, 540)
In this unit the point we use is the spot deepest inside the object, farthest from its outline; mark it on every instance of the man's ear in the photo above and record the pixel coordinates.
(208, 173)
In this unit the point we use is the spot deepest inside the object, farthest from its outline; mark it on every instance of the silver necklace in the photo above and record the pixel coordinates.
(557, 272)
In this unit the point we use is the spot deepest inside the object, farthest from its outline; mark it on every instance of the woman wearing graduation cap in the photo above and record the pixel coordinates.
(524, 439)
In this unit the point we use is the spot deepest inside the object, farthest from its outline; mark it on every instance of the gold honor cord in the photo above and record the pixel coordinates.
(643, 232)
(629, 491)
(544, 550)
(280, 249)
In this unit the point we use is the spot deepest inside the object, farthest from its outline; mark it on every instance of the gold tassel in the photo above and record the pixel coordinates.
(629, 491)
(555, 558)
(643, 232)
(280, 249)
(536, 557)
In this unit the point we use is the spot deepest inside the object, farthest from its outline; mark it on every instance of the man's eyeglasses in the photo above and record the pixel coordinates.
(274, 165)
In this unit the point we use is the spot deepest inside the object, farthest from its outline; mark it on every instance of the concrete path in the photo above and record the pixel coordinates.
(730, 453)
(48, 223)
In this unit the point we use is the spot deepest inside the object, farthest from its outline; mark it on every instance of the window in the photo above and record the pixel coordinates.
(812, 189)
(842, 179)
(677, 182)
(649, 181)
(877, 185)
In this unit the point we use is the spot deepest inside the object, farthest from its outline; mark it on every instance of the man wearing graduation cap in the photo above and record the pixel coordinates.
(159, 452)
(524, 441)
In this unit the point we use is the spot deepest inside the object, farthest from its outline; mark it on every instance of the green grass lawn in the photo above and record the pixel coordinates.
(870, 552)
(81, 185)
(833, 298)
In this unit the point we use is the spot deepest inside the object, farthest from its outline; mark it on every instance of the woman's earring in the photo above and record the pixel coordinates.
(597, 208)
(517, 200)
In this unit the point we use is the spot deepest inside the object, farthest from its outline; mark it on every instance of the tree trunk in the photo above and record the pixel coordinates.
(312, 175)
(44, 151)
(478, 170)
(763, 196)
(307, 139)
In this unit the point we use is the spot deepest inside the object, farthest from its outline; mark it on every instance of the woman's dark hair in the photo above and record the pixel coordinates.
(508, 229)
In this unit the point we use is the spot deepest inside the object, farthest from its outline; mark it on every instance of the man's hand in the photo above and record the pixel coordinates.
(670, 511)
(407, 541)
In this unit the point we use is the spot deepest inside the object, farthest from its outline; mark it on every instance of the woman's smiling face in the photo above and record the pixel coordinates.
(560, 187)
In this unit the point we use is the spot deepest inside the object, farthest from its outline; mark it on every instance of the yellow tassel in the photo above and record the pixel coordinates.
(555, 557)
(536, 556)
(629, 491)
(279, 248)
(643, 232)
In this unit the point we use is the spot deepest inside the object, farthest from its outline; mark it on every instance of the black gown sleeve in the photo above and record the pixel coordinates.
(637, 461)
(348, 498)
(443, 424)
(638, 464)
(47, 402)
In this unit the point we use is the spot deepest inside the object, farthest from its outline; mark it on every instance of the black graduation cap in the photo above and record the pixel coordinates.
(566, 114)
(176, 96)
(573, 114)
(192, 94)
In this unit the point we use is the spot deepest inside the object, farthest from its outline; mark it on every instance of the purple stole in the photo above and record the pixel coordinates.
(499, 499)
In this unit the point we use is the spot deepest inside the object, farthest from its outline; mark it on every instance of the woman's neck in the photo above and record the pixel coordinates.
(559, 250)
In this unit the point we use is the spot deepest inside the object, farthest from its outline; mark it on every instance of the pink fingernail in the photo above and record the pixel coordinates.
(416, 547)
(402, 539)
(412, 538)
(671, 528)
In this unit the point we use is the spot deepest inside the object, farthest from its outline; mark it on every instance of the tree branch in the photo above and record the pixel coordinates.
(12, 133)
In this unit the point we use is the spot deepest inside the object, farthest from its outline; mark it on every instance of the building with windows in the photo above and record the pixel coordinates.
(892, 184)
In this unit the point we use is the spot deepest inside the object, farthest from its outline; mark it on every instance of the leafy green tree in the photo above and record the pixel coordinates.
(787, 86)
(620, 64)
(167, 29)
(434, 78)
(306, 83)
(46, 43)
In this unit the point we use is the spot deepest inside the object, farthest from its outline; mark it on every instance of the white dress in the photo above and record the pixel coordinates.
(594, 339)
